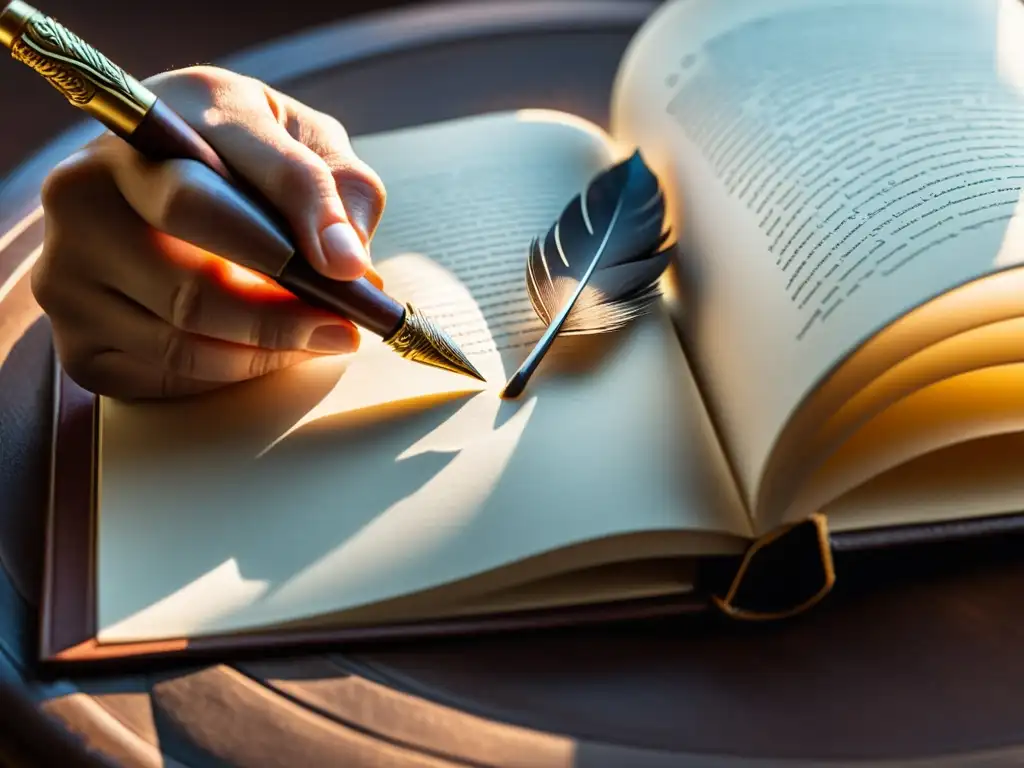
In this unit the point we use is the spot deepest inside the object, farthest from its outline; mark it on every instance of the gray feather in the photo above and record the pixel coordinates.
(598, 267)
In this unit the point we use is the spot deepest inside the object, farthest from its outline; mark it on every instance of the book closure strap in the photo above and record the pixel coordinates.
(782, 574)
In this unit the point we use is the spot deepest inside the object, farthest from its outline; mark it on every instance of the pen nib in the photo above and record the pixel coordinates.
(421, 340)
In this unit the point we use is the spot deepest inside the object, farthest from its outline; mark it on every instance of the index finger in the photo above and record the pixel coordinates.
(247, 128)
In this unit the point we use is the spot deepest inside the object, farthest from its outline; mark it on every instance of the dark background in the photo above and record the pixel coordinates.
(146, 37)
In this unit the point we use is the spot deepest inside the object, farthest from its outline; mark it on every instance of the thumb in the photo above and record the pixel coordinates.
(258, 138)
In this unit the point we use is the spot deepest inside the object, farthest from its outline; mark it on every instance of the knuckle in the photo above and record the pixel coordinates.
(186, 308)
(170, 197)
(81, 372)
(76, 360)
(63, 185)
(177, 354)
(330, 125)
(80, 190)
(219, 118)
(267, 334)
(207, 94)
(294, 174)
(363, 194)
(323, 133)
(44, 283)
(194, 80)
(62, 292)
(55, 186)
(206, 75)
(274, 332)
(262, 363)
(362, 180)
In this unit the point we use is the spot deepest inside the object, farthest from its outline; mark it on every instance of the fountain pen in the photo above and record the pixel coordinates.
(101, 89)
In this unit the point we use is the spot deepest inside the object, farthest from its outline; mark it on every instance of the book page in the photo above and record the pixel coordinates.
(352, 481)
(974, 478)
(834, 164)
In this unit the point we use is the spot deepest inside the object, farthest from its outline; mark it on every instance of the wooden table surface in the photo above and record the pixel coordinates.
(913, 661)
(146, 38)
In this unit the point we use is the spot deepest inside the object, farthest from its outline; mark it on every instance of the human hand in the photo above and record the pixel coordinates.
(140, 305)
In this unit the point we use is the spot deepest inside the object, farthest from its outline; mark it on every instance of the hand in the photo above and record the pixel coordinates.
(140, 305)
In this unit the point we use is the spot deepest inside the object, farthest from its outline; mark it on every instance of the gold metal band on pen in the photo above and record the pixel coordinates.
(86, 78)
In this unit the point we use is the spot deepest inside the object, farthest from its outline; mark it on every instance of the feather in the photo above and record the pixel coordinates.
(598, 267)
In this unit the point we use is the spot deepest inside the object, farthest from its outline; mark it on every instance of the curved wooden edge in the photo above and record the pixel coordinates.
(29, 740)
(335, 45)
(391, 31)
(348, 41)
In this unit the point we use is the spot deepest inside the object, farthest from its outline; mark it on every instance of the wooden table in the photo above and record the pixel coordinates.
(146, 38)
(916, 655)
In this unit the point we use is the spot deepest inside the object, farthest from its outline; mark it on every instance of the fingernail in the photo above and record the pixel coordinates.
(344, 251)
(333, 338)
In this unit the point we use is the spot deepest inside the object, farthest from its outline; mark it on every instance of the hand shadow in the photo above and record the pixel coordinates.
(230, 425)
(294, 516)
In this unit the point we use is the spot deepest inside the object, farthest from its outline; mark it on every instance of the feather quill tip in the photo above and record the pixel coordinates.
(515, 386)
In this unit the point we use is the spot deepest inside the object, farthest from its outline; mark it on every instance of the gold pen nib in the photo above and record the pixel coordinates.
(421, 340)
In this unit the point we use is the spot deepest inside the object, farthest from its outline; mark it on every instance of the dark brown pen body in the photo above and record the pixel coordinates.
(94, 84)
(163, 135)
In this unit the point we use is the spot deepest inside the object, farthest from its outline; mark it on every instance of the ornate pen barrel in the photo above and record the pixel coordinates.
(86, 78)
(94, 84)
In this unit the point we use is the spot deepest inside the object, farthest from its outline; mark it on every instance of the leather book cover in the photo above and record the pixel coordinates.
(777, 577)
(68, 621)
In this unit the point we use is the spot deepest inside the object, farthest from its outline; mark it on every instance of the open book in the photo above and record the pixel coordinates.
(841, 341)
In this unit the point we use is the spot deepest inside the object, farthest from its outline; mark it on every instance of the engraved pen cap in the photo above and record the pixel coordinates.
(13, 19)
(94, 84)
(83, 75)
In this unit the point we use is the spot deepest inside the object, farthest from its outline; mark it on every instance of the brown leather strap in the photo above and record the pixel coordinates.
(782, 574)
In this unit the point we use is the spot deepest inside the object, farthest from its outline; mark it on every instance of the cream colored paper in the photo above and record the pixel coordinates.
(353, 481)
(821, 204)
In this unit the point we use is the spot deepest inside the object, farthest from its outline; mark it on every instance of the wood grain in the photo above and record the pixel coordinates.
(920, 664)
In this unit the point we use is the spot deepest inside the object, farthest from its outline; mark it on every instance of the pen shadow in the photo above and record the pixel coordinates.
(374, 499)
(323, 449)
(357, 497)
(231, 424)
